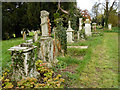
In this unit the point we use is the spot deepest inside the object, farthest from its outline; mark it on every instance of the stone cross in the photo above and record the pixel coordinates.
(87, 28)
(44, 23)
(24, 36)
(69, 33)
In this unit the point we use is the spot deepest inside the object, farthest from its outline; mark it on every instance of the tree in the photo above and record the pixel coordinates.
(95, 11)
(108, 10)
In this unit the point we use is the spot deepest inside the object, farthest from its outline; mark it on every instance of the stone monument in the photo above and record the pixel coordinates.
(87, 28)
(80, 27)
(46, 42)
(21, 55)
(69, 33)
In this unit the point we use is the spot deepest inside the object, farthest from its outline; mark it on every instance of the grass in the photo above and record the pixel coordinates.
(98, 68)
(102, 70)
(70, 59)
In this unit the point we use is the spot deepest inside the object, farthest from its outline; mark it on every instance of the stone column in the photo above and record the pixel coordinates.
(80, 27)
(70, 33)
(87, 28)
(80, 24)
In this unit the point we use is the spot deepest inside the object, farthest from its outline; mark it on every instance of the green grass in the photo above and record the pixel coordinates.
(99, 66)
(102, 70)
(70, 58)
(114, 29)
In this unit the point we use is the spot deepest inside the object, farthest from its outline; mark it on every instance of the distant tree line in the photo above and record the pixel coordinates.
(23, 16)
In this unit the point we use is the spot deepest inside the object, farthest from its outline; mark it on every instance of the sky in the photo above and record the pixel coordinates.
(87, 4)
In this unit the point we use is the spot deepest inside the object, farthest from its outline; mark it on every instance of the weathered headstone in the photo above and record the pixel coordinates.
(24, 36)
(109, 26)
(87, 28)
(69, 33)
(35, 36)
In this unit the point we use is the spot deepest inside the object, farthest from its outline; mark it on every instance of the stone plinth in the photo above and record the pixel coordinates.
(69, 33)
(22, 60)
(87, 28)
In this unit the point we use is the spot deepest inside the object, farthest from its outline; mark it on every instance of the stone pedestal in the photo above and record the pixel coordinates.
(110, 26)
(23, 60)
(69, 33)
(87, 28)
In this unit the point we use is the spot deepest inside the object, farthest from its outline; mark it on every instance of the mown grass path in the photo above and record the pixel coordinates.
(102, 70)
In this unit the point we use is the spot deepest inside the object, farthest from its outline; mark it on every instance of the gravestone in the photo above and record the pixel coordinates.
(87, 28)
(25, 53)
(24, 36)
(69, 33)
(109, 26)
(94, 26)
(35, 36)
(80, 27)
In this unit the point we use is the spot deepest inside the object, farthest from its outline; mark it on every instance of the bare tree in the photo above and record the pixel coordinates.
(108, 11)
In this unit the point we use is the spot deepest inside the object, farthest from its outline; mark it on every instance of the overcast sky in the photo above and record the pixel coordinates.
(87, 4)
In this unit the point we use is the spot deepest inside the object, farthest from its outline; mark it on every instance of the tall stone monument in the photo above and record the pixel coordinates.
(46, 50)
(69, 33)
(87, 28)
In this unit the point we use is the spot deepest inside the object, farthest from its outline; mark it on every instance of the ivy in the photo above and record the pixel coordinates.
(61, 34)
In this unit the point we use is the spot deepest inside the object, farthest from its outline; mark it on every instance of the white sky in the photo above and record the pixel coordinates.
(87, 4)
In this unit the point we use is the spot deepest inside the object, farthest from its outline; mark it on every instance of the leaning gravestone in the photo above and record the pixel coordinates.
(24, 36)
(69, 33)
(109, 26)
(87, 28)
